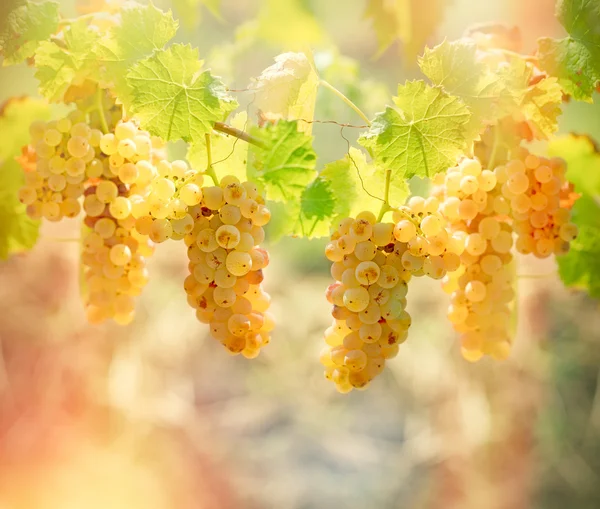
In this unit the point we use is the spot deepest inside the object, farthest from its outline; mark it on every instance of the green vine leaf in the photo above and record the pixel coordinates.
(73, 60)
(318, 200)
(325, 198)
(489, 95)
(24, 28)
(343, 188)
(423, 136)
(575, 60)
(580, 267)
(143, 29)
(173, 99)
(287, 164)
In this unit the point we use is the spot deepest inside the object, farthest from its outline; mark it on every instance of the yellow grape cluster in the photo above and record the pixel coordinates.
(226, 265)
(368, 297)
(111, 172)
(114, 256)
(489, 208)
(372, 264)
(65, 158)
(481, 290)
(114, 253)
(542, 226)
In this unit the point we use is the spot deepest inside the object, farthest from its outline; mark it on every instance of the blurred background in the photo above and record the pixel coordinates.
(156, 415)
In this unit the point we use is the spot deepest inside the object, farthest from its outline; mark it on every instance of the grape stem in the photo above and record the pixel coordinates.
(210, 171)
(493, 153)
(238, 133)
(100, 109)
(358, 111)
(385, 206)
(408, 217)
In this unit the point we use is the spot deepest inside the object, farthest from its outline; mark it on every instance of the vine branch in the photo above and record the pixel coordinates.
(238, 133)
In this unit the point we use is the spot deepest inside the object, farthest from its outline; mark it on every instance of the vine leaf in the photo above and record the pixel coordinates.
(287, 164)
(318, 200)
(541, 107)
(73, 60)
(335, 193)
(424, 136)
(24, 27)
(489, 95)
(410, 21)
(575, 60)
(17, 231)
(580, 267)
(143, 29)
(288, 89)
(328, 196)
(173, 99)
(229, 154)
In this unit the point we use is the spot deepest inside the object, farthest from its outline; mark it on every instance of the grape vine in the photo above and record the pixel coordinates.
(131, 92)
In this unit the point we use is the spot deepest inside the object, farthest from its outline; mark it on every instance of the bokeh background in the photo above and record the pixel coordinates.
(156, 415)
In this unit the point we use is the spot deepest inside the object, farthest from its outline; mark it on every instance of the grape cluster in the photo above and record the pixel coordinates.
(226, 265)
(475, 203)
(114, 256)
(372, 265)
(112, 172)
(114, 253)
(369, 301)
(65, 154)
(542, 225)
